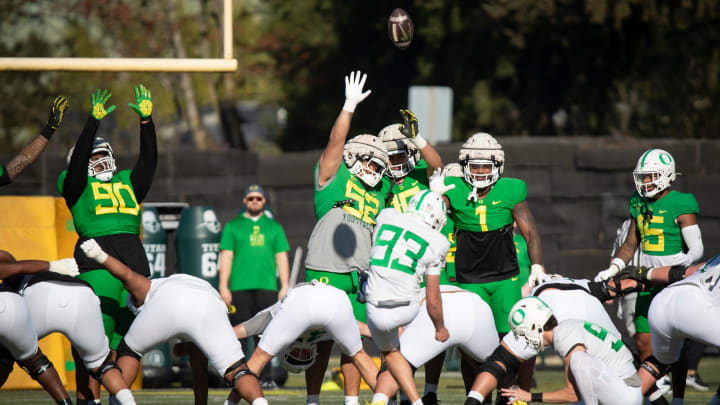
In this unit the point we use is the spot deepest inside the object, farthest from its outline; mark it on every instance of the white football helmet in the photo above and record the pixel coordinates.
(428, 207)
(528, 317)
(104, 168)
(400, 150)
(658, 168)
(482, 150)
(366, 157)
(298, 356)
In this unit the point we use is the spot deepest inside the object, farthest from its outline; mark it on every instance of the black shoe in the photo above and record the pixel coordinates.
(430, 399)
(696, 382)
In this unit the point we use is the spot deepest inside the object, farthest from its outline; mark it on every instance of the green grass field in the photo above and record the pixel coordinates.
(293, 393)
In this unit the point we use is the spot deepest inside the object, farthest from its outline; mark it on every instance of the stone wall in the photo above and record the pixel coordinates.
(578, 187)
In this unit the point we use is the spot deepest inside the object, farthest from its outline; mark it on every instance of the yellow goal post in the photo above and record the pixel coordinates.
(225, 64)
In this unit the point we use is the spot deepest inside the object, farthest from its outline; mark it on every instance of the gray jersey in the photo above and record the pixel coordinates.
(339, 243)
(599, 343)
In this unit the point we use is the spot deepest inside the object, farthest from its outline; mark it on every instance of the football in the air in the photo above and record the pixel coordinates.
(400, 28)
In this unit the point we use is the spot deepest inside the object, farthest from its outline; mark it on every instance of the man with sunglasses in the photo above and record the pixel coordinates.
(253, 254)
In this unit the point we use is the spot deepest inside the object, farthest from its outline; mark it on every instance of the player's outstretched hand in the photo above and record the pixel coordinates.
(57, 112)
(634, 272)
(437, 182)
(143, 101)
(354, 95)
(515, 394)
(607, 273)
(67, 267)
(98, 101)
(94, 251)
(409, 127)
(442, 334)
(537, 275)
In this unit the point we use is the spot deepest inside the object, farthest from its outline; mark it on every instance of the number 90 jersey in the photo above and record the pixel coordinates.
(660, 234)
(106, 208)
(598, 342)
(404, 248)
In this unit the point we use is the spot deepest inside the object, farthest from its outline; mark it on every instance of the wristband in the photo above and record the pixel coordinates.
(349, 106)
(536, 397)
(418, 141)
(618, 262)
(47, 132)
(649, 274)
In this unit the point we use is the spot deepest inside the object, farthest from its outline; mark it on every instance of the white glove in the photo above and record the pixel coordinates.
(437, 182)
(94, 251)
(354, 91)
(537, 275)
(67, 267)
(615, 266)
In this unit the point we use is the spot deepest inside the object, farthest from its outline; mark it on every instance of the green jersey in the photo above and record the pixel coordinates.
(492, 212)
(415, 182)
(522, 257)
(106, 208)
(254, 244)
(366, 202)
(659, 233)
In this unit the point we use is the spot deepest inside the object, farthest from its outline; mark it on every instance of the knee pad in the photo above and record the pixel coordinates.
(238, 372)
(652, 361)
(36, 365)
(503, 356)
(125, 350)
(106, 366)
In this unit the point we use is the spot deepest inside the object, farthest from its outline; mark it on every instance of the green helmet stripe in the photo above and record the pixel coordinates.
(419, 203)
(644, 156)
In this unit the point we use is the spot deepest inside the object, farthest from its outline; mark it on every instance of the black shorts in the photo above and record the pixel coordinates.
(125, 247)
(247, 303)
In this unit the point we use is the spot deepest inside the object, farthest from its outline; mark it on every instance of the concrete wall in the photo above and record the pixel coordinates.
(578, 187)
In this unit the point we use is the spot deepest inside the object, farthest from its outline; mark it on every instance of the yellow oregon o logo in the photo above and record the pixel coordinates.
(324, 280)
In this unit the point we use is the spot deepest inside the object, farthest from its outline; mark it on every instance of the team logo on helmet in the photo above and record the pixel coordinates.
(528, 317)
(366, 158)
(654, 172)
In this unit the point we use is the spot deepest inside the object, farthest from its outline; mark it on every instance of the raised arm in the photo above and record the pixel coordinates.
(31, 151)
(137, 285)
(144, 171)
(331, 158)
(411, 131)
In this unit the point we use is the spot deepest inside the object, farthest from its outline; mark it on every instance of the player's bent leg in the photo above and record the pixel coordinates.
(403, 373)
(128, 360)
(352, 380)
(433, 369)
(315, 374)
(245, 382)
(386, 386)
(199, 367)
(259, 359)
(596, 384)
(367, 368)
(41, 370)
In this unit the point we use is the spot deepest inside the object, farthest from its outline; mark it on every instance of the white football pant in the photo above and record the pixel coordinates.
(17, 332)
(598, 385)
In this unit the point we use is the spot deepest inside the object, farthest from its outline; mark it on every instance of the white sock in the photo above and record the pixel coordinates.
(430, 388)
(418, 402)
(677, 401)
(378, 398)
(476, 395)
(97, 401)
(350, 400)
(124, 397)
(260, 401)
(228, 402)
(313, 399)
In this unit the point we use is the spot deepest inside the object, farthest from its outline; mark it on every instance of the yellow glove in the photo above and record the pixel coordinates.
(143, 102)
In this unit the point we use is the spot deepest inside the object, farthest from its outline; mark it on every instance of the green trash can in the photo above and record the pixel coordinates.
(198, 243)
(156, 364)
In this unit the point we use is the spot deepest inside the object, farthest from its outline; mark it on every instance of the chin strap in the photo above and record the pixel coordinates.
(472, 196)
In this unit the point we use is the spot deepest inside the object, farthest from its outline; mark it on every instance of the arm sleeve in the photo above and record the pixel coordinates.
(693, 239)
(143, 173)
(257, 324)
(77, 173)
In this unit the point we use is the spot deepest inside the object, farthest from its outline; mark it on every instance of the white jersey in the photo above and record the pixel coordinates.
(404, 249)
(706, 278)
(599, 343)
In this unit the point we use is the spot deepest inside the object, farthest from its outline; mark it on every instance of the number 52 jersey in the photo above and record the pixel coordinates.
(404, 248)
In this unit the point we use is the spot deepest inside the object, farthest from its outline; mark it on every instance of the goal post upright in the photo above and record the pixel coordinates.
(225, 64)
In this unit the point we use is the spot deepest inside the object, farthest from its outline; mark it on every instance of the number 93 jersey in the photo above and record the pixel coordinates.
(598, 342)
(404, 248)
(106, 208)
(659, 233)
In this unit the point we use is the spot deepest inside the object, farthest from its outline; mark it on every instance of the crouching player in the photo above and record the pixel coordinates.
(179, 306)
(599, 368)
(58, 302)
(310, 313)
